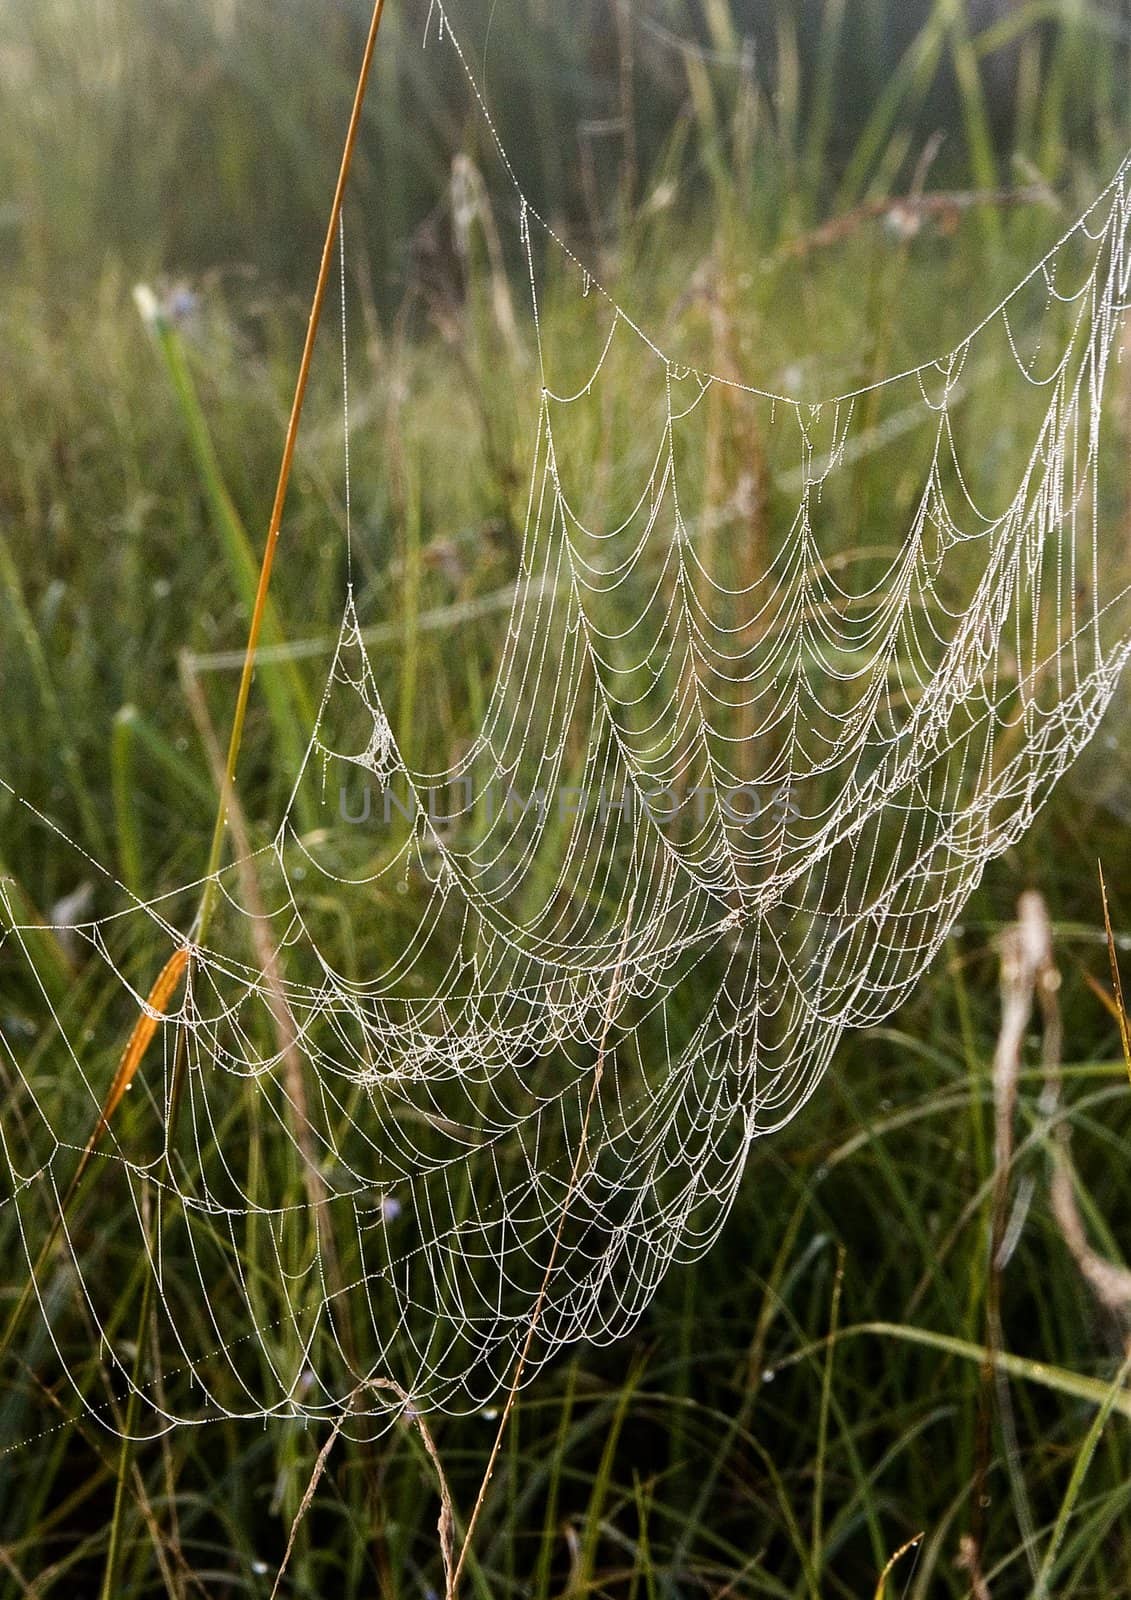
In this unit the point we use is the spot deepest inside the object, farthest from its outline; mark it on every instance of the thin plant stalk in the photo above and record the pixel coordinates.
(1044, 1374)
(203, 919)
(823, 1419)
(207, 901)
(1116, 981)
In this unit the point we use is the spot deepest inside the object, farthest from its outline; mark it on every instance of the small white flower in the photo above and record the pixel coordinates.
(147, 304)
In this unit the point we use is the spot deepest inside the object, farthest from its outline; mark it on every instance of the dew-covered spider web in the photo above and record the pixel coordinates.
(748, 741)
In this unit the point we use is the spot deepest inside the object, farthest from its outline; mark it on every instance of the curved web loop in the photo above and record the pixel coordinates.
(733, 779)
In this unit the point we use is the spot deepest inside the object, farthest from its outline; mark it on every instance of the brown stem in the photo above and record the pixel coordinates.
(207, 899)
(204, 914)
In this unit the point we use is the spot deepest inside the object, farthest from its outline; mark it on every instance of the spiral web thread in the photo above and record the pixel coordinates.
(722, 804)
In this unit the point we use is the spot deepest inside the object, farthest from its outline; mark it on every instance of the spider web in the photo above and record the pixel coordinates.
(728, 791)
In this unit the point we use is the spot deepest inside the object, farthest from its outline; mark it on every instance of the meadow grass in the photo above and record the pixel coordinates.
(812, 1395)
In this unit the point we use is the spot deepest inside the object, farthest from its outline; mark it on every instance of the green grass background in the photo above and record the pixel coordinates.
(723, 1449)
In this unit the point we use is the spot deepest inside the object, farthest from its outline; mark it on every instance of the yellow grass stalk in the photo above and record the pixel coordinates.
(203, 917)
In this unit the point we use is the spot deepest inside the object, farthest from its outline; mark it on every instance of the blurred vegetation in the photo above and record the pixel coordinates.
(163, 136)
(728, 164)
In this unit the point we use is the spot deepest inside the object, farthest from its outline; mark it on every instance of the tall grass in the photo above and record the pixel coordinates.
(802, 1403)
(182, 138)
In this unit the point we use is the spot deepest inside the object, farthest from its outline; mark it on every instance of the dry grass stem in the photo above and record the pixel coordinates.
(896, 1556)
(445, 1525)
(968, 1561)
(1116, 981)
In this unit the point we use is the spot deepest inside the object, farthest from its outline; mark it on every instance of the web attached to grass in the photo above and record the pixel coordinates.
(472, 1064)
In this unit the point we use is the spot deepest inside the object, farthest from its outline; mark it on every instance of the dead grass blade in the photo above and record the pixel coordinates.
(896, 1556)
(153, 1011)
(445, 1524)
(1116, 983)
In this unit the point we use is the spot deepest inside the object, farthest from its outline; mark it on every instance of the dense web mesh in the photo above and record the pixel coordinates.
(726, 796)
